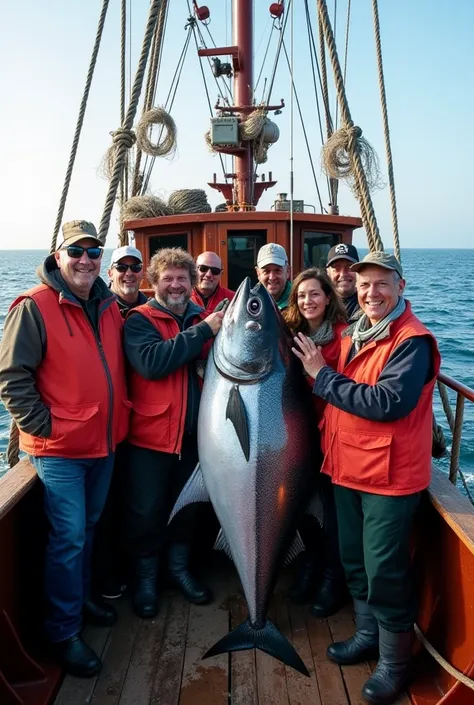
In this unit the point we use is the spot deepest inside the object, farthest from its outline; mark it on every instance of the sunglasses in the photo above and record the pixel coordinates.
(76, 251)
(203, 268)
(135, 268)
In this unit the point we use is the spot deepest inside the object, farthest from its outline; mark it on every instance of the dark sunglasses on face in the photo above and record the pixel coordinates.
(76, 251)
(135, 268)
(203, 268)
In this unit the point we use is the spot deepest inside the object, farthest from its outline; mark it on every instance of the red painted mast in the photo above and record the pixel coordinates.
(244, 192)
(242, 31)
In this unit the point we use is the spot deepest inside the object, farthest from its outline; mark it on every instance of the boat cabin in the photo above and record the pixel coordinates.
(237, 238)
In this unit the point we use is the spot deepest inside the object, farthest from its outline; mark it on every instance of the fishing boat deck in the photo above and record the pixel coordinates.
(158, 662)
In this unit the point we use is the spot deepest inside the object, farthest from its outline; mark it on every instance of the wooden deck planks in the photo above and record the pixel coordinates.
(140, 677)
(117, 655)
(206, 682)
(158, 662)
(167, 683)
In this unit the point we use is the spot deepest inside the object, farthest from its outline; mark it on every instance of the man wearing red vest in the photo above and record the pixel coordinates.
(62, 378)
(208, 291)
(163, 340)
(376, 436)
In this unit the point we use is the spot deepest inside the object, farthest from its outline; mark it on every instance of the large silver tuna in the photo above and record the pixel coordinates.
(255, 435)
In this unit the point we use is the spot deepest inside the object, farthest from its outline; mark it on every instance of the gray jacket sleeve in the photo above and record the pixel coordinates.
(21, 351)
(151, 356)
(397, 391)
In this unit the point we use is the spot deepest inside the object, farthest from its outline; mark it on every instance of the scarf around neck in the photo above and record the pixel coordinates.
(363, 332)
(324, 334)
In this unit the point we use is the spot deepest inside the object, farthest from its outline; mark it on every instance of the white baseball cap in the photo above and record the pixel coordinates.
(271, 253)
(126, 251)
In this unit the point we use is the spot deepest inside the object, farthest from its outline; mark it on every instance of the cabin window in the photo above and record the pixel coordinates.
(242, 250)
(158, 242)
(316, 247)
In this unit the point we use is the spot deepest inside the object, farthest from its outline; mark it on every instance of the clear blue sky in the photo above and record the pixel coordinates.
(428, 59)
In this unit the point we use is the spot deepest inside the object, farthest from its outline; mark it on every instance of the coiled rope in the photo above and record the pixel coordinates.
(182, 201)
(347, 146)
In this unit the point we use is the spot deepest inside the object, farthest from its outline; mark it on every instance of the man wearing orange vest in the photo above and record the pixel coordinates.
(376, 436)
(163, 340)
(208, 291)
(62, 378)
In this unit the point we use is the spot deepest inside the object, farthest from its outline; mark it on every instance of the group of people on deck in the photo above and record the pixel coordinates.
(104, 385)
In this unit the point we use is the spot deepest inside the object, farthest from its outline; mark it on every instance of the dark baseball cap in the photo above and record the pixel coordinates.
(342, 251)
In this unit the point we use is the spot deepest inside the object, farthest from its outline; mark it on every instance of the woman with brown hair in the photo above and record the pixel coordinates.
(316, 310)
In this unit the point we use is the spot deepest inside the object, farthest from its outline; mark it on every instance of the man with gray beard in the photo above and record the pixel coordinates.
(164, 339)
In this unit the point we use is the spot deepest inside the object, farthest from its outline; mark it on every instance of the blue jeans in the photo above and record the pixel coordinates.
(75, 491)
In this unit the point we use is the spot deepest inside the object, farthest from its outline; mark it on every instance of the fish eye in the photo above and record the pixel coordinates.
(254, 306)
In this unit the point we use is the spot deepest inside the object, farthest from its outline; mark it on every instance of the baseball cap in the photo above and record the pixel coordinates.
(342, 251)
(76, 230)
(380, 259)
(271, 253)
(125, 251)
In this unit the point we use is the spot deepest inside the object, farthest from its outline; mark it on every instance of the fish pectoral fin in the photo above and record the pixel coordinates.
(222, 544)
(297, 546)
(236, 413)
(193, 491)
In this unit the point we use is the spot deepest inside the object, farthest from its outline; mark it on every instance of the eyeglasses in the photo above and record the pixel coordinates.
(135, 268)
(203, 268)
(76, 251)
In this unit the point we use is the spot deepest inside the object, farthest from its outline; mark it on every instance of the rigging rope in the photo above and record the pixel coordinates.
(124, 138)
(461, 677)
(333, 183)
(305, 134)
(150, 88)
(80, 120)
(386, 131)
(347, 146)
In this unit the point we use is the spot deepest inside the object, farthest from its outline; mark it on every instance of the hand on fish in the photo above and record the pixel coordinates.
(309, 354)
(214, 321)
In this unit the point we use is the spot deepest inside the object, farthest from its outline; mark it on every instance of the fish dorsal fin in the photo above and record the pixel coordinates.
(295, 549)
(193, 491)
(236, 413)
(221, 544)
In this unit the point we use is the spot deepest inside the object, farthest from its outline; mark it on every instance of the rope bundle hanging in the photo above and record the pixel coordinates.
(252, 126)
(338, 162)
(165, 145)
(189, 201)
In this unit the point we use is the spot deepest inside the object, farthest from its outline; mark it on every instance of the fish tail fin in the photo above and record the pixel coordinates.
(268, 639)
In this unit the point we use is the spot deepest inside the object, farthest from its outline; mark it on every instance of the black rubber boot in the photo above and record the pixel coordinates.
(392, 674)
(145, 594)
(303, 585)
(194, 591)
(99, 613)
(364, 644)
(77, 657)
(330, 597)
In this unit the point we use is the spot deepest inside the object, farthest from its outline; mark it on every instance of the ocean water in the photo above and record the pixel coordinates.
(440, 287)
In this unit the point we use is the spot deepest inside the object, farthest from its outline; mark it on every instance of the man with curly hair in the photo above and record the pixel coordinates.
(164, 339)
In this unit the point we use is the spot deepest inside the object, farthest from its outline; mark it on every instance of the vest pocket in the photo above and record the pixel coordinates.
(363, 458)
(75, 430)
(151, 425)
